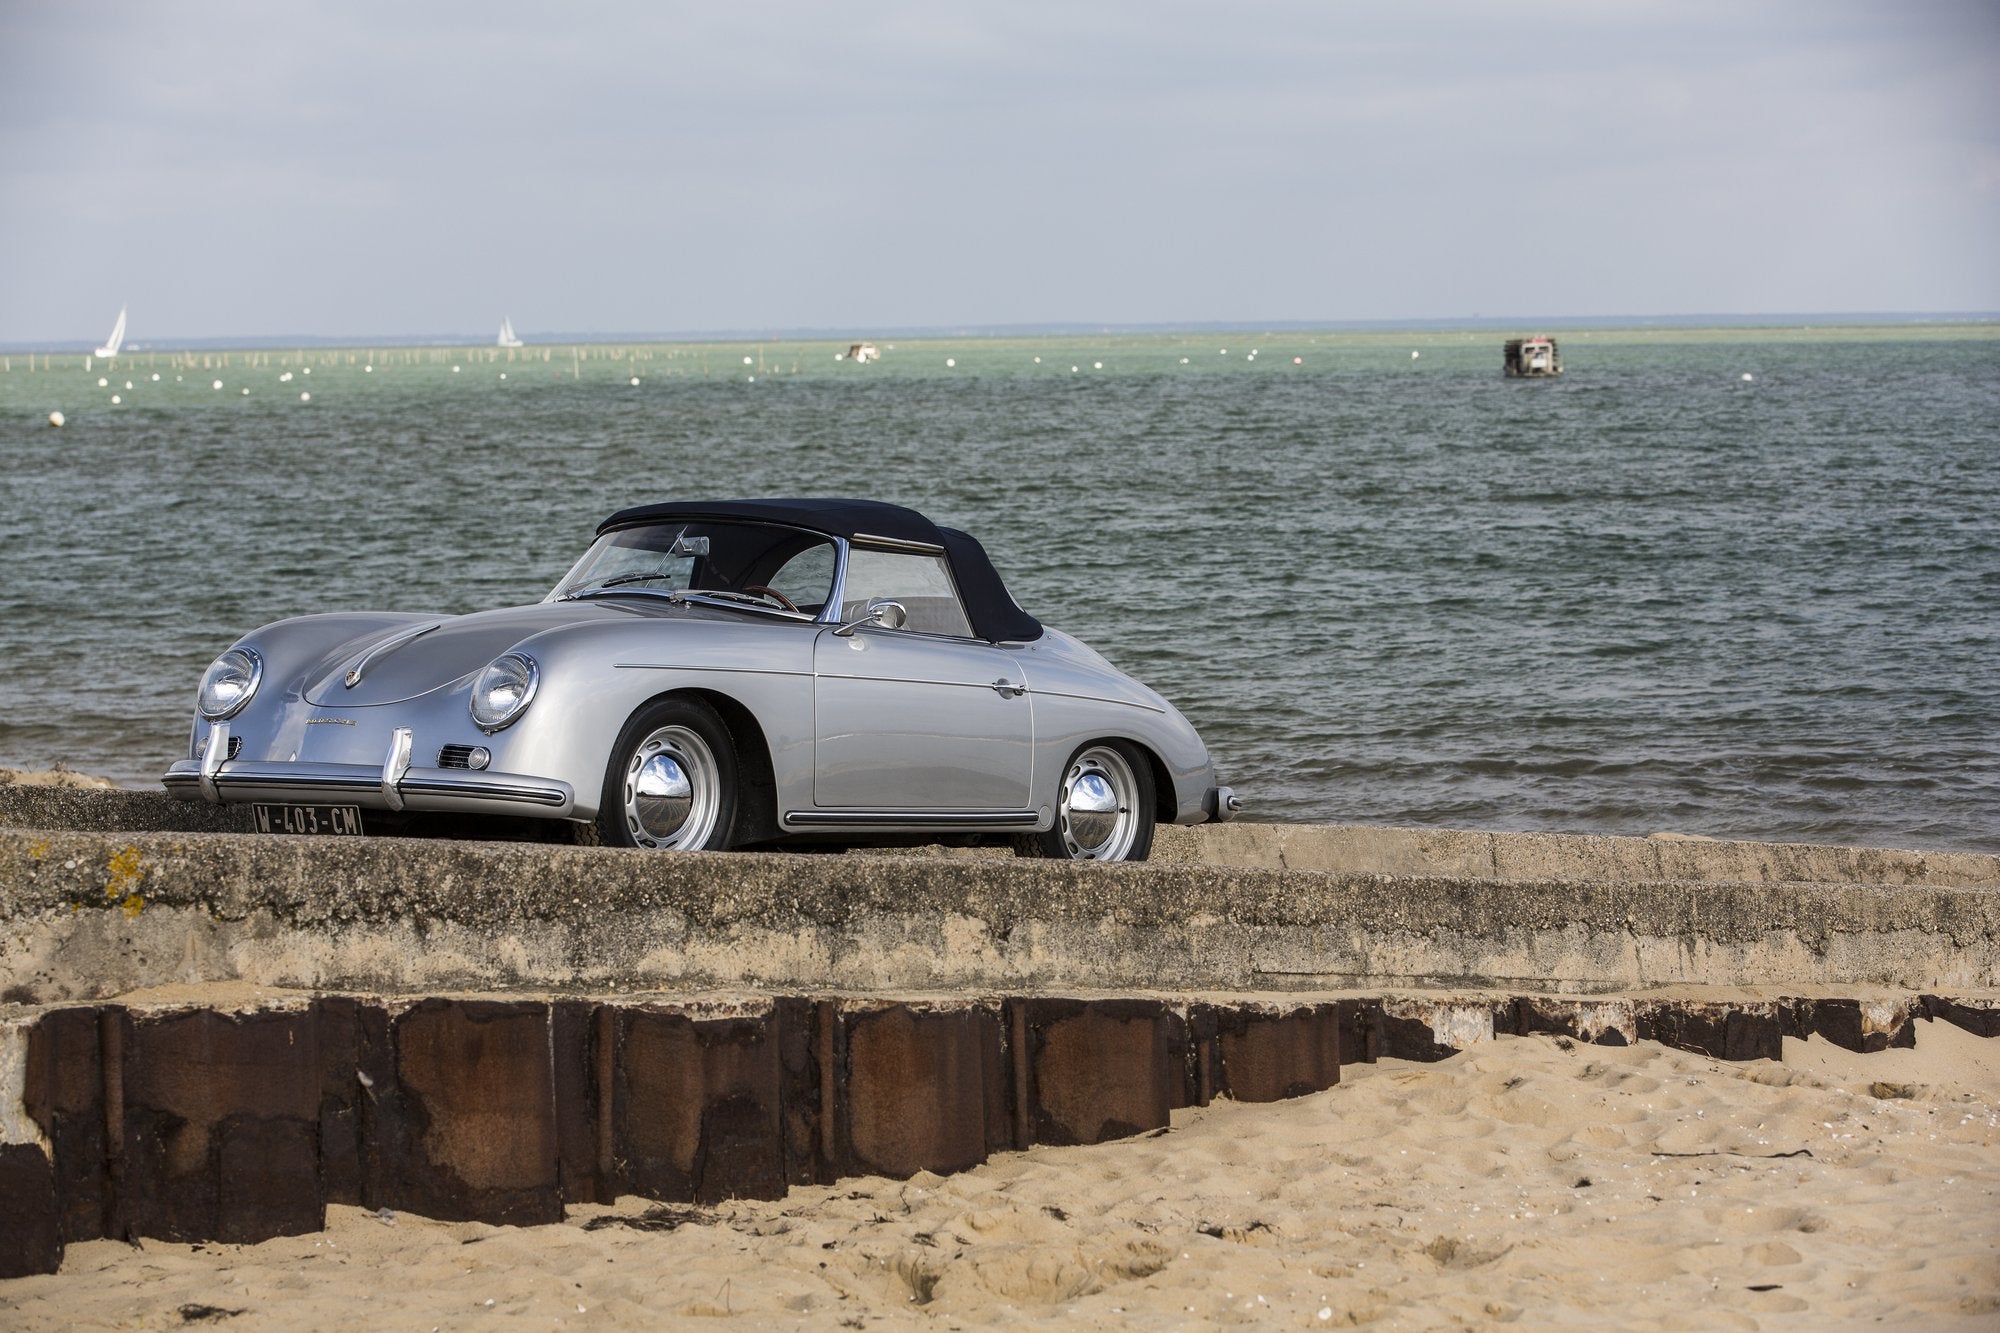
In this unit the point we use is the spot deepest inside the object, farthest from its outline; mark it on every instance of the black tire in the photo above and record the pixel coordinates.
(681, 751)
(1104, 807)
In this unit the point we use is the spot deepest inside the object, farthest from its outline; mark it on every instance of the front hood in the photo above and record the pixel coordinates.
(456, 648)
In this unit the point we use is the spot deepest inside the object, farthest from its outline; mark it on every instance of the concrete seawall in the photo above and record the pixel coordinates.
(211, 1035)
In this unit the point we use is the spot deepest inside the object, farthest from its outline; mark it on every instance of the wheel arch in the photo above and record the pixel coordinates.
(756, 799)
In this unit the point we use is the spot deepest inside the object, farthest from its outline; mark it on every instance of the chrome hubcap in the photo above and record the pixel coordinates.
(1098, 821)
(671, 786)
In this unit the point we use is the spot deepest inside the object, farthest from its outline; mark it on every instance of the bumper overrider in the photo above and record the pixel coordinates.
(395, 785)
(1222, 804)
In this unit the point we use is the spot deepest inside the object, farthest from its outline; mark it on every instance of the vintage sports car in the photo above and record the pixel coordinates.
(712, 675)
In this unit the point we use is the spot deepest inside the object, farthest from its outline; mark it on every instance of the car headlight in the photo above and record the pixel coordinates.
(504, 690)
(228, 684)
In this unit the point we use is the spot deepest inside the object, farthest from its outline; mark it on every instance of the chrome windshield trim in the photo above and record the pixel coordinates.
(388, 645)
(897, 544)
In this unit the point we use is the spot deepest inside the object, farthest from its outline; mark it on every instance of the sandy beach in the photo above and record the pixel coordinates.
(1529, 1181)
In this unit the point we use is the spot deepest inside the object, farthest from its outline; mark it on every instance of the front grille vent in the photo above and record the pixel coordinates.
(456, 756)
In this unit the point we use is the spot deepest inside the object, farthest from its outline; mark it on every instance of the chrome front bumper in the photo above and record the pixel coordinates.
(393, 786)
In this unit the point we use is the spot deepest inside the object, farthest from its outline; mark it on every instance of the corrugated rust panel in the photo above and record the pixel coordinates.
(64, 1095)
(463, 1129)
(573, 1067)
(1270, 1055)
(1856, 1025)
(1099, 1069)
(1726, 1031)
(30, 1234)
(221, 1119)
(339, 1021)
(800, 1107)
(697, 1115)
(1981, 1020)
(919, 1088)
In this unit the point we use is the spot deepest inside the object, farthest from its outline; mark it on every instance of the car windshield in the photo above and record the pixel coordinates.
(765, 565)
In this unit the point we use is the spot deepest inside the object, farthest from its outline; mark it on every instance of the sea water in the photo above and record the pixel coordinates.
(1741, 583)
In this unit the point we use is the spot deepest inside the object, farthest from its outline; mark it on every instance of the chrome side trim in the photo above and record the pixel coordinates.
(394, 641)
(913, 819)
(396, 766)
(213, 756)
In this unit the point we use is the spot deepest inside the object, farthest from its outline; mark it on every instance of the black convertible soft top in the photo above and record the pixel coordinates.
(993, 612)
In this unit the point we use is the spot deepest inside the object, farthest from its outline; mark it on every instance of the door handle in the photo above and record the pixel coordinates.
(1007, 689)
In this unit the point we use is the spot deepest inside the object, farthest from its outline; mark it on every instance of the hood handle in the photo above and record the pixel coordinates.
(388, 645)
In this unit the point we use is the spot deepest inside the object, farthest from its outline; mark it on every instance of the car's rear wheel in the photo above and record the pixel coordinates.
(671, 782)
(1104, 807)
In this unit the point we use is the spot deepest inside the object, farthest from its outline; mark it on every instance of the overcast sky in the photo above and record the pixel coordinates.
(363, 169)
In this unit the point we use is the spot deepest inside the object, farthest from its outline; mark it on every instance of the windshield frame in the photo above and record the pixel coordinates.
(573, 586)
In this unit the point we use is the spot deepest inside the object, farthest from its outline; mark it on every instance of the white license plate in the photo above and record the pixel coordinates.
(337, 820)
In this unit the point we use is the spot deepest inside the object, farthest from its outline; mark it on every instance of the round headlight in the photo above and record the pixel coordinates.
(228, 684)
(503, 691)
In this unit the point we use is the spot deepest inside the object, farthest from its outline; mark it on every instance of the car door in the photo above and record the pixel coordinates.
(924, 718)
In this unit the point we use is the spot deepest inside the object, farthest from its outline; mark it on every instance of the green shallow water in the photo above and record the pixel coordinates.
(1650, 595)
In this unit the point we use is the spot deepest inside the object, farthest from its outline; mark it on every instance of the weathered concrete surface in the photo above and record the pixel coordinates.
(1345, 848)
(84, 916)
(1360, 848)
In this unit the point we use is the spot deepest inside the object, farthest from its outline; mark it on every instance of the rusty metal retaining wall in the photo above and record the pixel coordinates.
(191, 1124)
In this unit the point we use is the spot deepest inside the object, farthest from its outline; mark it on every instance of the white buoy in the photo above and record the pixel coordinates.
(128, 384)
(1298, 361)
(1184, 361)
(368, 370)
(746, 360)
(1747, 377)
(218, 385)
(103, 383)
(1415, 355)
(156, 377)
(285, 378)
(1074, 369)
(57, 418)
(635, 381)
(246, 393)
(1097, 365)
(305, 370)
(115, 400)
(951, 361)
(456, 369)
(503, 374)
(751, 378)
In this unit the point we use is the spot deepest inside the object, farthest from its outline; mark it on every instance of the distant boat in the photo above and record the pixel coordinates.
(864, 353)
(117, 338)
(507, 338)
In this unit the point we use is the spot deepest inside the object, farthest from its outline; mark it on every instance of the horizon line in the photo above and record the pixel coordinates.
(801, 333)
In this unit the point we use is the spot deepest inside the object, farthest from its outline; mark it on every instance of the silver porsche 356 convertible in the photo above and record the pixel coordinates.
(712, 675)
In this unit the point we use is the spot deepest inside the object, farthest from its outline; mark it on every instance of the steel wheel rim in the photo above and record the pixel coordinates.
(672, 791)
(1097, 817)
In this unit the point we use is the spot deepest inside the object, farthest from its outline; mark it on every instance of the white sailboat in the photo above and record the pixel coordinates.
(507, 338)
(117, 338)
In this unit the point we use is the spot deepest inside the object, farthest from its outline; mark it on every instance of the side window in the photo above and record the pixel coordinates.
(922, 583)
(807, 577)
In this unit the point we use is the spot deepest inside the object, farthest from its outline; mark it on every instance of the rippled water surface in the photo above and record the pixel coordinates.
(1734, 583)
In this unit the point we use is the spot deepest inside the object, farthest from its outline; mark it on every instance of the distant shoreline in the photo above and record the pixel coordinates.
(1982, 323)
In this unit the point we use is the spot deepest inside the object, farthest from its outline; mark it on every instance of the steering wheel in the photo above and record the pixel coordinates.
(760, 590)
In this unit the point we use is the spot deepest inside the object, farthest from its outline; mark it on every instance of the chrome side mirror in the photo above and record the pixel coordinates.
(882, 613)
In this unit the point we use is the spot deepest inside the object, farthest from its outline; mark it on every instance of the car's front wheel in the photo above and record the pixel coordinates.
(671, 781)
(1104, 807)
